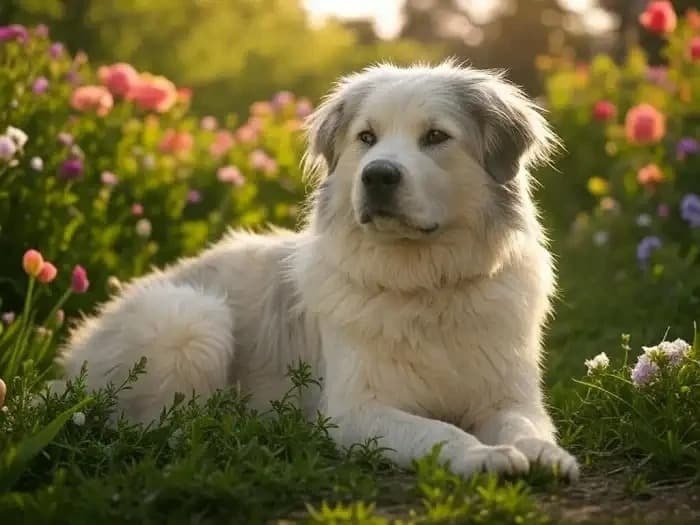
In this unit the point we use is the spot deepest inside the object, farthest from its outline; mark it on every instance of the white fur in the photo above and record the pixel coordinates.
(420, 338)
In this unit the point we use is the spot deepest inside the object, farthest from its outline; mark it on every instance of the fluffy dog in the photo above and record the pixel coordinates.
(417, 288)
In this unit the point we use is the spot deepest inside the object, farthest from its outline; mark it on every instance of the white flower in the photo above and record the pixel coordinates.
(78, 419)
(36, 164)
(599, 362)
(143, 228)
(601, 238)
(17, 135)
(644, 220)
(8, 148)
(676, 350)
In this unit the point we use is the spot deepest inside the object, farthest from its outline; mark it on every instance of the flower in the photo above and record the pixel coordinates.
(692, 16)
(646, 247)
(143, 228)
(153, 93)
(231, 175)
(40, 85)
(604, 110)
(261, 108)
(79, 280)
(41, 30)
(644, 220)
(659, 17)
(644, 371)
(118, 78)
(65, 138)
(8, 317)
(694, 49)
(599, 362)
(662, 210)
(609, 204)
(13, 32)
(597, 186)
(47, 274)
(193, 197)
(687, 146)
(108, 178)
(56, 50)
(78, 419)
(644, 124)
(32, 262)
(208, 123)
(71, 168)
(184, 95)
(247, 134)
(137, 209)
(18, 136)
(8, 148)
(676, 351)
(261, 161)
(176, 142)
(304, 108)
(282, 100)
(690, 209)
(650, 175)
(89, 98)
(223, 141)
(601, 238)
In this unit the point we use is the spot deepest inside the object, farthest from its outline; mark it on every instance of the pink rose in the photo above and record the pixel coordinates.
(118, 78)
(92, 98)
(176, 142)
(644, 124)
(223, 141)
(153, 93)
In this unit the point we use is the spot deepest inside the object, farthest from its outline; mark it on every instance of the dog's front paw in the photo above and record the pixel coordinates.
(497, 459)
(549, 455)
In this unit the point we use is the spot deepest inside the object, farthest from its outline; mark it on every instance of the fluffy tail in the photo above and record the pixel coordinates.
(185, 334)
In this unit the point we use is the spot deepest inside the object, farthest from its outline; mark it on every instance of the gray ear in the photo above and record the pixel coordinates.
(515, 133)
(323, 129)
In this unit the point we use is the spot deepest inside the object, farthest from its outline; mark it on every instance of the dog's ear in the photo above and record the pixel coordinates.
(323, 128)
(515, 134)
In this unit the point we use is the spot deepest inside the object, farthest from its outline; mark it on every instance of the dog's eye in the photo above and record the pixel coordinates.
(433, 137)
(368, 137)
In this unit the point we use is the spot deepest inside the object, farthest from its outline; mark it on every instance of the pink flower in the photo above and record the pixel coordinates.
(137, 209)
(71, 168)
(108, 178)
(193, 197)
(47, 274)
(153, 93)
(176, 142)
(223, 141)
(184, 95)
(79, 280)
(88, 98)
(261, 109)
(659, 17)
(65, 138)
(604, 110)
(231, 175)
(247, 134)
(32, 262)
(208, 123)
(304, 108)
(119, 78)
(8, 317)
(13, 32)
(694, 49)
(644, 124)
(40, 85)
(650, 175)
(282, 100)
(56, 50)
(261, 161)
(663, 210)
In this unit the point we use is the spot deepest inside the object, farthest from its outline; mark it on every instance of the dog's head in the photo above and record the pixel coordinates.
(410, 153)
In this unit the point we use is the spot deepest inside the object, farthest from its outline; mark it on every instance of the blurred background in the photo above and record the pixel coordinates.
(233, 52)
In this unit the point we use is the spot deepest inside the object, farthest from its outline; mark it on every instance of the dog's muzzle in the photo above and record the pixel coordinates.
(380, 180)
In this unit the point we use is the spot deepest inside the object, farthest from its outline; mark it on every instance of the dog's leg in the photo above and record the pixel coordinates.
(530, 430)
(409, 437)
(185, 334)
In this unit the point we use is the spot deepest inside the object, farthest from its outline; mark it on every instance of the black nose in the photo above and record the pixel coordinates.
(380, 178)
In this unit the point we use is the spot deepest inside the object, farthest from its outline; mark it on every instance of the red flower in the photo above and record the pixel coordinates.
(644, 124)
(604, 110)
(694, 49)
(659, 17)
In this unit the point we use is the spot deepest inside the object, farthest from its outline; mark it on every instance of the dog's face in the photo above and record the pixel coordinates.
(410, 153)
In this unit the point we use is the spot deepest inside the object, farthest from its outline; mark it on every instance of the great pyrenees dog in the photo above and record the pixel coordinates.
(417, 288)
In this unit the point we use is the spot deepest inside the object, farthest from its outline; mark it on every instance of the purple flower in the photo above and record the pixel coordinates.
(646, 247)
(193, 197)
(644, 371)
(13, 32)
(663, 210)
(676, 351)
(41, 84)
(690, 209)
(56, 50)
(687, 146)
(71, 168)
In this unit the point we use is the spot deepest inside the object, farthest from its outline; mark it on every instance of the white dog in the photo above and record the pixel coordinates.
(417, 289)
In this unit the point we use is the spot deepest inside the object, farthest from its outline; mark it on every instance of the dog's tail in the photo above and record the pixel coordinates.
(185, 334)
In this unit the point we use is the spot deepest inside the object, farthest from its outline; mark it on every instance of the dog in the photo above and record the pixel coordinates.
(417, 287)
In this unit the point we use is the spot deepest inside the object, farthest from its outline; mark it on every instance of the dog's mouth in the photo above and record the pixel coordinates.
(392, 222)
